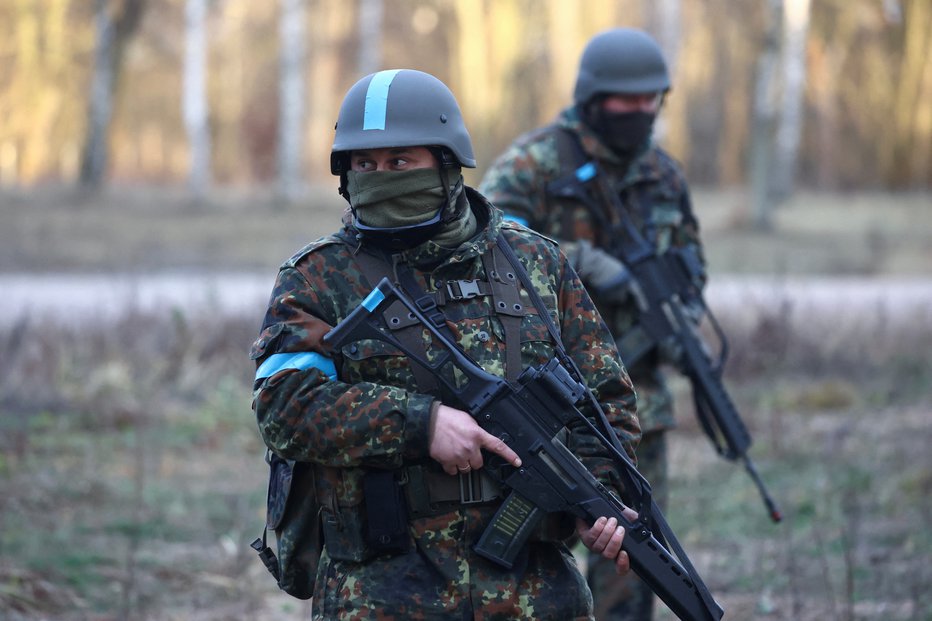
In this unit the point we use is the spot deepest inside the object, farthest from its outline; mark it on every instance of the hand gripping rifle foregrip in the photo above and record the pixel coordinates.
(528, 417)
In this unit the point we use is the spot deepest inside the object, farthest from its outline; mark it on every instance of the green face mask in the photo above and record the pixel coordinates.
(401, 209)
(390, 199)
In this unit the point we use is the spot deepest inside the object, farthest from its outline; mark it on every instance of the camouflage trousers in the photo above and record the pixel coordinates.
(544, 584)
(627, 598)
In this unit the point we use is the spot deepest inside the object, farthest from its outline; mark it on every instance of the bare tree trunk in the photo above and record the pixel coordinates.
(100, 103)
(666, 23)
(112, 37)
(906, 160)
(563, 34)
(291, 99)
(195, 108)
(762, 124)
(795, 29)
(370, 36)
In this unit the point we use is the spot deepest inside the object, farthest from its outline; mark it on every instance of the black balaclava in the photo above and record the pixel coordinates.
(624, 133)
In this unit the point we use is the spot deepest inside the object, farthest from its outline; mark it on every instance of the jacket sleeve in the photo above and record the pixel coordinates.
(307, 413)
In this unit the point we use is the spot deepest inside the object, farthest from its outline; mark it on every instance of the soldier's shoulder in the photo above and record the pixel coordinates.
(534, 152)
(543, 134)
(537, 143)
(665, 162)
(520, 236)
(308, 250)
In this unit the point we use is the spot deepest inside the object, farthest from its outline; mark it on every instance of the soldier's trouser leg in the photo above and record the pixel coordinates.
(627, 598)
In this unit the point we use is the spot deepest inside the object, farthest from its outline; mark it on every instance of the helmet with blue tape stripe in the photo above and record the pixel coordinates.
(400, 108)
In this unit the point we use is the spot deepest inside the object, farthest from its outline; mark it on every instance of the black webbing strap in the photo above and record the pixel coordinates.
(624, 233)
(525, 279)
(555, 335)
(424, 301)
(506, 298)
(374, 268)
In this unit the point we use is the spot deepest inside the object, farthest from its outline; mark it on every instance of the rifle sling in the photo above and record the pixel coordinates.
(555, 335)
(374, 268)
(502, 287)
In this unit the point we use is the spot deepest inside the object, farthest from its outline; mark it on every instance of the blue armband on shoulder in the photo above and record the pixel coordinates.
(518, 219)
(300, 361)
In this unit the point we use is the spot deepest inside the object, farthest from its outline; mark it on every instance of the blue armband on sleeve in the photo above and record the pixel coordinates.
(518, 219)
(300, 361)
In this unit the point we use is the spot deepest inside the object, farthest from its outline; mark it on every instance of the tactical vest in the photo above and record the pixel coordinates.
(305, 518)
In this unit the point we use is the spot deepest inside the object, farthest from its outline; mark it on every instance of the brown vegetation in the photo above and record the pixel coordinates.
(131, 473)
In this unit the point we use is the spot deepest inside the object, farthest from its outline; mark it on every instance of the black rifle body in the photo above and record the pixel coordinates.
(667, 283)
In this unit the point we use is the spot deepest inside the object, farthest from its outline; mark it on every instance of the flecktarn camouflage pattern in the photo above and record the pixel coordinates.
(372, 418)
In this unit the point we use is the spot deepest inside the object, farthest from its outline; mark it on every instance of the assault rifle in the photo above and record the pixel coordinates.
(667, 291)
(528, 416)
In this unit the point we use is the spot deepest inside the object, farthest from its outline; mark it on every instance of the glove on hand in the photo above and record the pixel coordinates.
(605, 275)
(670, 350)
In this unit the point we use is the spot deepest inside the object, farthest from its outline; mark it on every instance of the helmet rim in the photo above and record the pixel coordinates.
(400, 108)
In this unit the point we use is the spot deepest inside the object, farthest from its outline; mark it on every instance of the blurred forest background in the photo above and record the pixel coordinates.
(160, 158)
(838, 93)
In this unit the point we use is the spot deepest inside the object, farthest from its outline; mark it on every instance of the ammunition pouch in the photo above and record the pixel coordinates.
(393, 498)
(432, 492)
(386, 513)
(293, 513)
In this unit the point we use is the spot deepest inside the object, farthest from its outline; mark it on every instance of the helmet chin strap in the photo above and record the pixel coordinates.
(446, 160)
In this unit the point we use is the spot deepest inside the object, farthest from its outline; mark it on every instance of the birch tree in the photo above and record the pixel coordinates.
(793, 65)
(764, 119)
(194, 106)
(100, 104)
(291, 98)
(666, 23)
(370, 36)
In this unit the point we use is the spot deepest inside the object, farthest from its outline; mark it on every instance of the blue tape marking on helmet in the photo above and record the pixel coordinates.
(518, 219)
(585, 172)
(300, 361)
(373, 299)
(377, 100)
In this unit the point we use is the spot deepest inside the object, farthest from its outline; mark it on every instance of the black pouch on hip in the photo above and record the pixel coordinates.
(386, 513)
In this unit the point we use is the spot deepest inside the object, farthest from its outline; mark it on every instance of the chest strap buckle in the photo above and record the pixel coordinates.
(463, 289)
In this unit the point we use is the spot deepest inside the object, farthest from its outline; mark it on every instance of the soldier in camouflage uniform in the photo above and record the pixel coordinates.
(620, 88)
(363, 421)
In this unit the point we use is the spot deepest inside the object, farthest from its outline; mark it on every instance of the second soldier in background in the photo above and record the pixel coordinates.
(620, 89)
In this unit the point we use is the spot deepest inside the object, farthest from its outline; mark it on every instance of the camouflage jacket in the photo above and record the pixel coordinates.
(373, 417)
(651, 188)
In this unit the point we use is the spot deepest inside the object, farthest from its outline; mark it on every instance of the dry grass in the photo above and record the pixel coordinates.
(131, 478)
(142, 229)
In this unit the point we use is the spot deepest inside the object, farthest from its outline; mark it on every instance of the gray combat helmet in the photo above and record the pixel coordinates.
(400, 108)
(621, 60)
